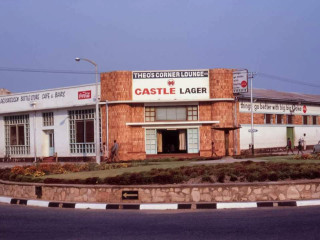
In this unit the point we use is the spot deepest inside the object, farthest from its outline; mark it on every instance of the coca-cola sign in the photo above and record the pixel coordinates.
(84, 95)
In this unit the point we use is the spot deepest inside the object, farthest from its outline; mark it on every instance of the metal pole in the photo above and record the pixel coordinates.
(235, 130)
(252, 133)
(107, 128)
(34, 133)
(96, 118)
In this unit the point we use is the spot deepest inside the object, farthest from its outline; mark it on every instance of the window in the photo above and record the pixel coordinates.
(192, 113)
(268, 118)
(305, 120)
(279, 118)
(82, 131)
(289, 119)
(48, 119)
(17, 135)
(150, 114)
(314, 120)
(182, 113)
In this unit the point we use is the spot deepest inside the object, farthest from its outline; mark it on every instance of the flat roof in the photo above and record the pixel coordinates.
(273, 95)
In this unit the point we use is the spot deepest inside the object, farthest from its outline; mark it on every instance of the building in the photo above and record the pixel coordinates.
(47, 123)
(152, 114)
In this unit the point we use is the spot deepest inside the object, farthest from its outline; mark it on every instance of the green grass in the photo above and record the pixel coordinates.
(119, 171)
(287, 159)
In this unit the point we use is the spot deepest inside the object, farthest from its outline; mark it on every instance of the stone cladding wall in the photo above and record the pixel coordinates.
(236, 192)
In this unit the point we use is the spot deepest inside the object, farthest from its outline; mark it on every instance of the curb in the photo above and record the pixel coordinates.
(159, 206)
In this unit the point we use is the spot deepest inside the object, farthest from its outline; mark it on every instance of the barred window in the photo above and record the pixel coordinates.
(289, 119)
(305, 120)
(17, 135)
(82, 131)
(47, 119)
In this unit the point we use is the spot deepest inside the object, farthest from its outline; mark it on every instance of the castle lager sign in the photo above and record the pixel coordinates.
(170, 85)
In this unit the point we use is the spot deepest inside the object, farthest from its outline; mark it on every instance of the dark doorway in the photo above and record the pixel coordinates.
(171, 141)
(226, 141)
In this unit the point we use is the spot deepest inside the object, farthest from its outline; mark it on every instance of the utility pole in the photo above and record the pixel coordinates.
(251, 76)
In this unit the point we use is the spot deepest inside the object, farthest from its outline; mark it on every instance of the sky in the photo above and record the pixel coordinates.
(277, 39)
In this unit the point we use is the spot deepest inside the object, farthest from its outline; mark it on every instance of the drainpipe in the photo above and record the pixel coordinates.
(235, 149)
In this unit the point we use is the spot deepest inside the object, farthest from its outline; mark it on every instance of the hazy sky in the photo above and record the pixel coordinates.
(270, 37)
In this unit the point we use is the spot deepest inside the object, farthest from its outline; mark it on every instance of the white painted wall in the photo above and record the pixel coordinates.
(61, 134)
(269, 136)
(2, 137)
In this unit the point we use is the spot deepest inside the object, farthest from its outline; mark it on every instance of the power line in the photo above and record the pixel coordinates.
(44, 70)
(283, 79)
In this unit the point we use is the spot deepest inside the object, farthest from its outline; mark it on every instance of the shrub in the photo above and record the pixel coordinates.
(273, 176)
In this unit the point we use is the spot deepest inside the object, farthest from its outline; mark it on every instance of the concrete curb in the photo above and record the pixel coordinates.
(159, 206)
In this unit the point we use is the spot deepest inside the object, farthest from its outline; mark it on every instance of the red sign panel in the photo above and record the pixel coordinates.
(304, 109)
(84, 95)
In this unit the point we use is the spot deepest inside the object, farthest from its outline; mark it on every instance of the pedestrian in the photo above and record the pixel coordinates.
(213, 149)
(114, 151)
(300, 146)
(104, 152)
(289, 146)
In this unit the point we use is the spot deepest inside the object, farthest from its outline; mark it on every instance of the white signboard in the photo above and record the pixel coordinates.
(48, 99)
(170, 85)
(278, 108)
(240, 81)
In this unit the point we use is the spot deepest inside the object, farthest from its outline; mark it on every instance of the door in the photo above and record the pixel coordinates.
(193, 140)
(151, 141)
(51, 143)
(290, 134)
(226, 141)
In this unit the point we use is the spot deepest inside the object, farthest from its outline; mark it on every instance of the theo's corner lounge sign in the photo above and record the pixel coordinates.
(170, 85)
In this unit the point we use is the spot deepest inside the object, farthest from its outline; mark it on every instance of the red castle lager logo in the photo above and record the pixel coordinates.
(84, 95)
(171, 82)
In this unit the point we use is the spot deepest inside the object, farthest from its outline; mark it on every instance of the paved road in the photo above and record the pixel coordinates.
(21, 222)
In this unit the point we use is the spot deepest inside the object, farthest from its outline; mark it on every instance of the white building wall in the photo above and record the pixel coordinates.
(271, 136)
(2, 137)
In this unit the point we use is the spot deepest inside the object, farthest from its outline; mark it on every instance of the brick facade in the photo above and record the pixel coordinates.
(117, 86)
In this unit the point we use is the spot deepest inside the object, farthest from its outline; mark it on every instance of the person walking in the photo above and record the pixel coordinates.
(289, 146)
(114, 151)
(300, 146)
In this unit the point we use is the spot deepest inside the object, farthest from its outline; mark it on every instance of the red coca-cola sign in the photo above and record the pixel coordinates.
(304, 109)
(84, 95)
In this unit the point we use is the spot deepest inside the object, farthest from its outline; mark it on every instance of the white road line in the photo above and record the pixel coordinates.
(237, 205)
(308, 203)
(5, 199)
(90, 206)
(38, 203)
(159, 206)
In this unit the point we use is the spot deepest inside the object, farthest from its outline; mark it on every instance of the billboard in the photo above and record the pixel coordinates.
(170, 85)
(240, 81)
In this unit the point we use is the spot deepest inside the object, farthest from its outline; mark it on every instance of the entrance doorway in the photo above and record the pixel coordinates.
(48, 143)
(171, 141)
(226, 141)
(290, 134)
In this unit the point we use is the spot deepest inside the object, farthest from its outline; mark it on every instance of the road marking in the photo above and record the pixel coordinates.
(308, 203)
(37, 203)
(91, 206)
(159, 206)
(237, 205)
(5, 200)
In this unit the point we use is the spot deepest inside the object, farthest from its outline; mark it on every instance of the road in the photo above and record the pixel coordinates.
(21, 222)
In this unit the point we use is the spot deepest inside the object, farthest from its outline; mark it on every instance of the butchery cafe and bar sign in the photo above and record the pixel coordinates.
(170, 85)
